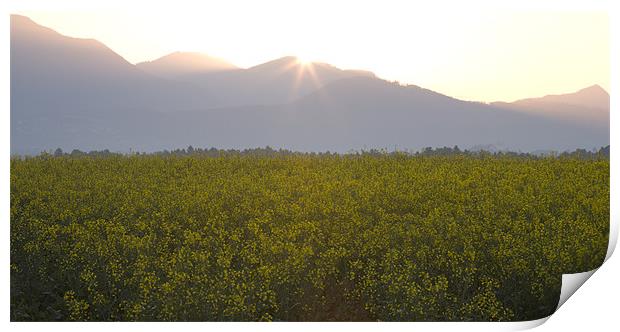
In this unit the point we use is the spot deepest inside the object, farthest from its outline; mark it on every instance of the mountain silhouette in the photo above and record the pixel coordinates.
(79, 94)
(178, 64)
(590, 104)
(279, 81)
(360, 112)
(54, 73)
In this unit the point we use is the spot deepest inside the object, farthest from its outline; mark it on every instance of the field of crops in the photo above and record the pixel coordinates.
(301, 237)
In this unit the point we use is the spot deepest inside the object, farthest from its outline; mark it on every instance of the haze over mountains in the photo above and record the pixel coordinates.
(178, 64)
(78, 94)
(590, 104)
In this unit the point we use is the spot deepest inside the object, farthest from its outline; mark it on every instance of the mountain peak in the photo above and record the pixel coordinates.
(33, 45)
(23, 20)
(26, 26)
(594, 90)
(593, 96)
(181, 63)
(285, 62)
(589, 104)
(20, 18)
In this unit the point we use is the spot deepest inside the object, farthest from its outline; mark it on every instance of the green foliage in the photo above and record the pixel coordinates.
(301, 237)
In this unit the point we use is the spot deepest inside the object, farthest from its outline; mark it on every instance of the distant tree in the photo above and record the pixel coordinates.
(58, 153)
(604, 151)
(76, 152)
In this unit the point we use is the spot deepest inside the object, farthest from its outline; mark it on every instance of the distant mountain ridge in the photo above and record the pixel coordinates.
(592, 97)
(278, 81)
(588, 104)
(177, 64)
(78, 94)
(54, 73)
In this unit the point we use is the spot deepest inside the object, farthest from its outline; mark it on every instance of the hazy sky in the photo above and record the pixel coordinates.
(478, 51)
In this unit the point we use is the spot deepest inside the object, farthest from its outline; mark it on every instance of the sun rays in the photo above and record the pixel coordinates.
(303, 61)
(305, 73)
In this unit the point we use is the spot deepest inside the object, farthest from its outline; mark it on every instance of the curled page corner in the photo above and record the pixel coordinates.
(570, 284)
(613, 237)
(525, 325)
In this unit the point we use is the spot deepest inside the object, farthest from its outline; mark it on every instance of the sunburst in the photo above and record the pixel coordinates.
(302, 61)
(304, 69)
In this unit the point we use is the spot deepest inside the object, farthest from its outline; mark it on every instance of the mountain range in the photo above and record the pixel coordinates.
(79, 94)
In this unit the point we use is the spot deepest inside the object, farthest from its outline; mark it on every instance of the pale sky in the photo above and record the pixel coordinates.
(466, 49)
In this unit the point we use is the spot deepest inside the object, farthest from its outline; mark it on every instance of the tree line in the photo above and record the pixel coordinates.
(601, 153)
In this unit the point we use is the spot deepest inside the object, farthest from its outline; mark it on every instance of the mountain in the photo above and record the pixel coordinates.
(59, 82)
(279, 81)
(593, 97)
(360, 113)
(178, 64)
(78, 94)
(52, 73)
(379, 112)
(365, 112)
(590, 104)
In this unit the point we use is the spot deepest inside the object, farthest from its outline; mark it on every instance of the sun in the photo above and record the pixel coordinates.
(304, 61)
(305, 73)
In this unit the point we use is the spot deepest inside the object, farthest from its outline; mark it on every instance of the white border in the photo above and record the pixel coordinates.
(594, 306)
